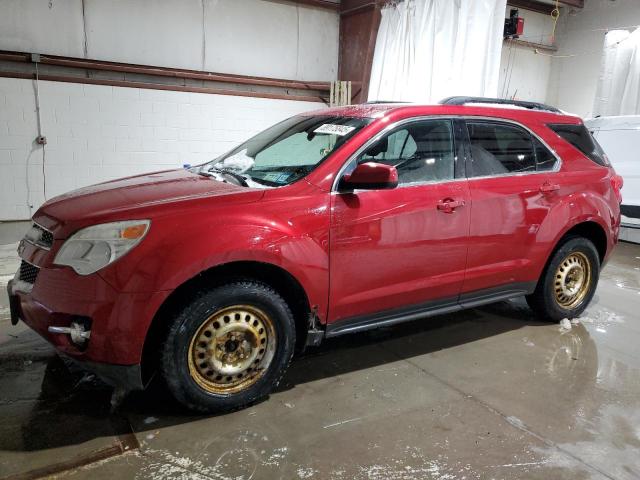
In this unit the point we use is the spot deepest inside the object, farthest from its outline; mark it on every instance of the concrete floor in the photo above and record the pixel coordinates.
(489, 393)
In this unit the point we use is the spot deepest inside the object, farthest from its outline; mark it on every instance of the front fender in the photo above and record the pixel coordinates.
(179, 248)
(302, 256)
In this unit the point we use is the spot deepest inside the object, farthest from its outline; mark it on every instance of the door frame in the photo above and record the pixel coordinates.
(461, 152)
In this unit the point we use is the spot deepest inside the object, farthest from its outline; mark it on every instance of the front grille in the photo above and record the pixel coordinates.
(46, 239)
(28, 272)
(41, 236)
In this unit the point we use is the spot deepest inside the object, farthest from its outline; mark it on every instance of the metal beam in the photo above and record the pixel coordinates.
(328, 4)
(541, 7)
(573, 3)
(359, 22)
(98, 72)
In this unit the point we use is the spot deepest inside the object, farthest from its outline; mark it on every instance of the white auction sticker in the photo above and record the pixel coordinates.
(332, 129)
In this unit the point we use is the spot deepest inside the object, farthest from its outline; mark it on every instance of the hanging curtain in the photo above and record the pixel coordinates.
(427, 50)
(618, 91)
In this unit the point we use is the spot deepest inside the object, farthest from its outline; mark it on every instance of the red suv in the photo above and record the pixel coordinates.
(331, 222)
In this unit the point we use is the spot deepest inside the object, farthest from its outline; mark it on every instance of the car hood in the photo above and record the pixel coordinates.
(134, 193)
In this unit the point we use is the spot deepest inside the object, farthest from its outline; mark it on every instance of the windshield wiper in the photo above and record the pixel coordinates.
(223, 171)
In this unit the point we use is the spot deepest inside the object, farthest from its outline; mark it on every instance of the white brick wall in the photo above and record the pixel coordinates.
(97, 133)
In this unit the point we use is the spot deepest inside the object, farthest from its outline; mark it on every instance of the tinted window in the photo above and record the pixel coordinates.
(545, 160)
(499, 149)
(421, 151)
(579, 137)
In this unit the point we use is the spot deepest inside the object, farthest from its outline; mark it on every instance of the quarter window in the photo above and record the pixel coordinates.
(581, 138)
(421, 151)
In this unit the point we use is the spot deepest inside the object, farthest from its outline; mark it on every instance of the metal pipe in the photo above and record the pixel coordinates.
(156, 86)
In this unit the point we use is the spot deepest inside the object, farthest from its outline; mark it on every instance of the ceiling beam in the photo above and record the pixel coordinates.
(573, 3)
(328, 4)
(541, 7)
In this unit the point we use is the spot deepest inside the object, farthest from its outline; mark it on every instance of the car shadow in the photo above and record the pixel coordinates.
(72, 409)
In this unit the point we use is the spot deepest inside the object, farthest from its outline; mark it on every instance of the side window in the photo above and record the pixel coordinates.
(498, 149)
(545, 160)
(421, 151)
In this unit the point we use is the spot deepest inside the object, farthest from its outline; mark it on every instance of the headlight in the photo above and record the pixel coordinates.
(92, 248)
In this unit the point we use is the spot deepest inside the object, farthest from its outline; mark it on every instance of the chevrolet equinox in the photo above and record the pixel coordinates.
(328, 223)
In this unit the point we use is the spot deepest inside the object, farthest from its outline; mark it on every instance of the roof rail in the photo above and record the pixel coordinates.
(500, 101)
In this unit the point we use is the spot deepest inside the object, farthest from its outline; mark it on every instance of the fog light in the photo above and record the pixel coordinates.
(76, 331)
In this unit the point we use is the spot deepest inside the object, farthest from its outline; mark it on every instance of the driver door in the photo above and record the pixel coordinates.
(403, 248)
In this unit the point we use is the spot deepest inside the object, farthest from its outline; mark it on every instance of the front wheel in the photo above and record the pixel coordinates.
(569, 281)
(228, 347)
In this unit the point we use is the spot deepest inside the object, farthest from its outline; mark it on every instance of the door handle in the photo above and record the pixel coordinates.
(549, 187)
(448, 205)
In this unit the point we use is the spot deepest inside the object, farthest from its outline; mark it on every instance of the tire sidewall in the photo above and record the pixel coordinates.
(578, 244)
(176, 351)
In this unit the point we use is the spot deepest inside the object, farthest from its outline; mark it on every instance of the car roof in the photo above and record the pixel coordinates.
(407, 110)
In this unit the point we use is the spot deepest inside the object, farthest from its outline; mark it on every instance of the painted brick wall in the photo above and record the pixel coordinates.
(97, 133)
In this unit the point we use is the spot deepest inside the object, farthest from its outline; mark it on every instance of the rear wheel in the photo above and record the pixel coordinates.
(228, 347)
(569, 281)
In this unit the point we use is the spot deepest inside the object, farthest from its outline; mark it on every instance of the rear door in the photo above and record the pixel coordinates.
(511, 194)
(407, 246)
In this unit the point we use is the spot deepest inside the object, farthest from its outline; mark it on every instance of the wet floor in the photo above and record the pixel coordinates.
(488, 393)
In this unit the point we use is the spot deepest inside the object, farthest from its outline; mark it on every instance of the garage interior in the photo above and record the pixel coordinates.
(94, 90)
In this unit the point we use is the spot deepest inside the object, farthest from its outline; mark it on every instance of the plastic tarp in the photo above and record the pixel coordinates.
(618, 91)
(427, 50)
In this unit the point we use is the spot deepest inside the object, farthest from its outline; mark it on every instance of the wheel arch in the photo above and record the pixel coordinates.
(538, 300)
(590, 230)
(286, 284)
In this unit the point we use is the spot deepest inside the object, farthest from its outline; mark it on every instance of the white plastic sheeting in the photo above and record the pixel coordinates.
(618, 90)
(430, 49)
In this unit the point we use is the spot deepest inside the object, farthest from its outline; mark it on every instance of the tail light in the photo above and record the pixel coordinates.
(616, 183)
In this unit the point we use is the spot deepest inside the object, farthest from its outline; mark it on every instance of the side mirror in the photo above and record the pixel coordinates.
(370, 176)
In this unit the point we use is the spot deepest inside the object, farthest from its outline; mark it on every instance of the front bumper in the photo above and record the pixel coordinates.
(127, 377)
(119, 321)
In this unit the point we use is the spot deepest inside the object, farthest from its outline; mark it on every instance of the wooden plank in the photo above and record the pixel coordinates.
(533, 45)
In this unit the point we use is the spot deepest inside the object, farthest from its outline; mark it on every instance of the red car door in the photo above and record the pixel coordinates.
(510, 197)
(407, 246)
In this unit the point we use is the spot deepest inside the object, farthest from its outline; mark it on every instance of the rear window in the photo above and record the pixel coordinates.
(579, 137)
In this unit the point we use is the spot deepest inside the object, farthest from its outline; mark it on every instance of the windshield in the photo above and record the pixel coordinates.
(285, 152)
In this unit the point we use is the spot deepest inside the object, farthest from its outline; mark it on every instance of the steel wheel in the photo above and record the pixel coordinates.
(232, 349)
(572, 280)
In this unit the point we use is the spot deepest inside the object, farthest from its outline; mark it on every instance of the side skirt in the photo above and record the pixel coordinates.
(437, 307)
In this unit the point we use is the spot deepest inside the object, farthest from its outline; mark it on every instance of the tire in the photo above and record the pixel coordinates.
(228, 347)
(551, 299)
